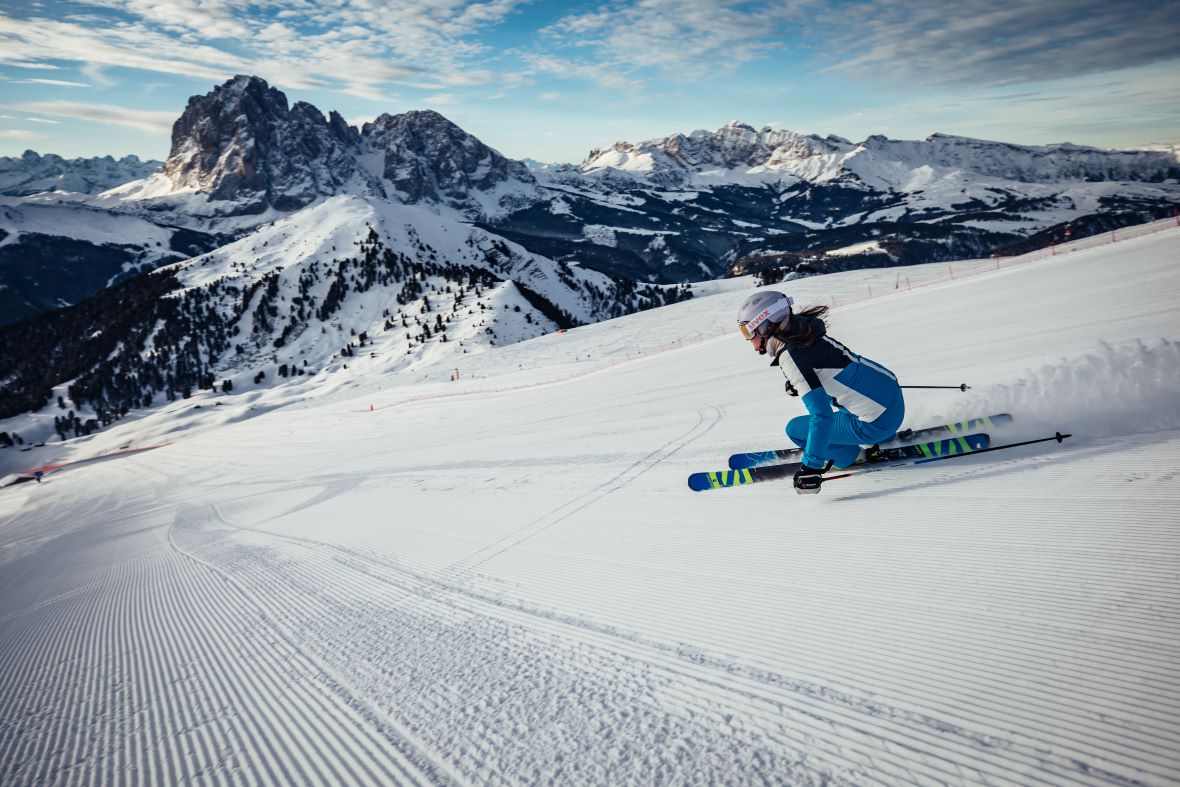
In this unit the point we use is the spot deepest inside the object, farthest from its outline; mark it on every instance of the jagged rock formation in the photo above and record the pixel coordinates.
(428, 158)
(241, 144)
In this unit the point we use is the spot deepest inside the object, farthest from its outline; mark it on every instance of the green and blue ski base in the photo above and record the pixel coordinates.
(929, 451)
(901, 456)
(988, 423)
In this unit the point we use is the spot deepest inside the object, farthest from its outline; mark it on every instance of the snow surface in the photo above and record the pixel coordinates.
(856, 248)
(77, 221)
(505, 579)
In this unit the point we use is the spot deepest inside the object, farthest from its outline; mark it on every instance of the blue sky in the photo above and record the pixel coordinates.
(552, 80)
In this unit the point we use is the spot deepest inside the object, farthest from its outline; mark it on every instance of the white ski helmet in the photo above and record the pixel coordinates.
(759, 313)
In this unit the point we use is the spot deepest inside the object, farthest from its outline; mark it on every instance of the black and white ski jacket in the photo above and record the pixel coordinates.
(827, 374)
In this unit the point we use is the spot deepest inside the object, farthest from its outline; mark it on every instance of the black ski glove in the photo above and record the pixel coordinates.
(808, 480)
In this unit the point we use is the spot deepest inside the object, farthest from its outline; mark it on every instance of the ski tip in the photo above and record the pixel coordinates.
(699, 482)
(750, 460)
(1061, 436)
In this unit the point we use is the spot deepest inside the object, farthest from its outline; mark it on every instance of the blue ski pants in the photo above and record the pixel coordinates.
(849, 433)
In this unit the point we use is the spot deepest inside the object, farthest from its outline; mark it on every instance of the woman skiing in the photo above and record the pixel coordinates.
(868, 401)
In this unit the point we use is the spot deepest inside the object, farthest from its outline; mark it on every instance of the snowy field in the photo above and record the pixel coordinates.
(505, 580)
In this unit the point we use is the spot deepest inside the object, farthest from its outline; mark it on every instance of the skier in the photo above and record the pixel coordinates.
(868, 400)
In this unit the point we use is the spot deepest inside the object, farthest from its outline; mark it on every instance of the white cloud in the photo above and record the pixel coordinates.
(18, 64)
(441, 99)
(982, 42)
(127, 46)
(107, 114)
(549, 96)
(359, 46)
(214, 19)
(682, 39)
(50, 82)
(42, 120)
(974, 42)
(97, 74)
(369, 92)
(19, 133)
(602, 74)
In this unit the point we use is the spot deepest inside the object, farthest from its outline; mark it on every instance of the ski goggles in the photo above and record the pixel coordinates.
(771, 314)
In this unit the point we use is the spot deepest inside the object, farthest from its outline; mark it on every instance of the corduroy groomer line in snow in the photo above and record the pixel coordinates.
(514, 586)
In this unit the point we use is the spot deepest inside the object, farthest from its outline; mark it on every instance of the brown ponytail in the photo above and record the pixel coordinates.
(803, 328)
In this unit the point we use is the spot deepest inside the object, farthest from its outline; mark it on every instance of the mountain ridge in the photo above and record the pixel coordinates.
(738, 145)
(312, 245)
(34, 173)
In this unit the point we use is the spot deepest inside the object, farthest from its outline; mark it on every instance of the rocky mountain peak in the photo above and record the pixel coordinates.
(225, 142)
(241, 143)
(428, 158)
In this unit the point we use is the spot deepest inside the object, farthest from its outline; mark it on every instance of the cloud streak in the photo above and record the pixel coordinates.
(107, 114)
(50, 82)
(981, 42)
(927, 42)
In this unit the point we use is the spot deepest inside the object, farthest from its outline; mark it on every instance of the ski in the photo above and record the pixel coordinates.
(926, 451)
(872, 468)
(757, 458)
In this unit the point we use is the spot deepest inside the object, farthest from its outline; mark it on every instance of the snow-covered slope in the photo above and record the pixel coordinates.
(504, 579)
(347, 280)
(57, 249)
(77, 221)
(303, 253)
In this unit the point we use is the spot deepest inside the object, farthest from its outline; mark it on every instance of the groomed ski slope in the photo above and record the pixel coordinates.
(506, 580)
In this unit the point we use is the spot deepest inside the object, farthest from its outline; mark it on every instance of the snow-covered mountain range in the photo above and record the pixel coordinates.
(32, 173)
(347, 278)
(737, 152)
(293, 241)
(739, 199)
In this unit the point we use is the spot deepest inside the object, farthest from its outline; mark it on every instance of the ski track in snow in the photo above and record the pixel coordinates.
(516, 588)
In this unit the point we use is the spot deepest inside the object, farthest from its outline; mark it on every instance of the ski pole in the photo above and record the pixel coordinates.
(886, 465)
(959, 387)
